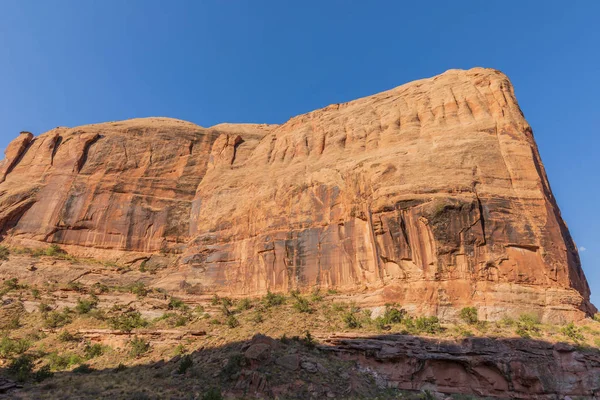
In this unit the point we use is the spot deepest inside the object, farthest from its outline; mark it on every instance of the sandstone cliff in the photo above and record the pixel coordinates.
(431, 194)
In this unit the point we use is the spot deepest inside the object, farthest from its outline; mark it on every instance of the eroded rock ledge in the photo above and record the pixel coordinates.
(432, 194)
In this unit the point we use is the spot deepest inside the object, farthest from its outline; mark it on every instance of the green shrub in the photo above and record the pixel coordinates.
(179, 350)
(128, 321)
(120, 367)
(57, 319)
(469, 315)
(176, 304)
(98, 288)
(35, 293)
(572, 332)
(597, 317)
(351, 320)
(257, 317)
(301, 304)
(429, 325)
(139, 347)
(60, 362)
(309, 341)
(93, 350)
(83, 369)
(273, 299)
(4, 253)
(10, 347)
(21, 367)
(212, 394)
(185, 364)
(44, 308)
(54, 250)
(316, 296)
(139, 289)
(244, 304)
(42, 374)
(12, 284)
(84, 306)
(66, 336)
(233, 366)
(393, 315)
(199, 309)
(232, 322)
(527, 326)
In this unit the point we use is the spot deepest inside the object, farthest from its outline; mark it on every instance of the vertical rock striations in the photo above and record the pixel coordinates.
(431, 194)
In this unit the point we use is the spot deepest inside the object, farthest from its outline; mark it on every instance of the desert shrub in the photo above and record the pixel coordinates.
(244, 304)
(83, 369)
(233, 366)
(273, 299)
(301, 304)
(4, 253)
(35, 293)
(176, 304)
(316, 296)
(66, 336)
(380, 324)
(469, 315)
(179, 350)
(60, 362)
(339, 307)
(429, 325)
(185, 364)
(212, 394)
(54, 250)
(42, 374)
(597, 317)
(57, 319)
(351, 320)
(527, 326)
(11, 284)
(44, 308)
(93, 350)
(21, 367)
(232, 322)
(76, 287)
(572, 332)
(139, 347)
(139, 289)
(199, 309)
(120, 367)
(216, 300)
(98, 288)
(84, 306)
(128, 321)
(257, 317)
(309, 341)
(10, 347)
(393, 315)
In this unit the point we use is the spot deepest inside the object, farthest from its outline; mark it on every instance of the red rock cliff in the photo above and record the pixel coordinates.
(431, 194)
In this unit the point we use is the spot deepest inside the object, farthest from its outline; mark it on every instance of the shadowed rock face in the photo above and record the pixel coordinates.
(431, 194)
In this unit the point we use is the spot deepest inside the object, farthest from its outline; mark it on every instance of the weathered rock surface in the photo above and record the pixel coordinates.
(431, 194)
(505, 368)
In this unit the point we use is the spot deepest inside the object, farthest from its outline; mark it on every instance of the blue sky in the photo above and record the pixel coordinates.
(67, 63)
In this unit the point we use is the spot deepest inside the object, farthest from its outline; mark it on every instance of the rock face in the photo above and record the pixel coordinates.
(431, 194)
(504, 368)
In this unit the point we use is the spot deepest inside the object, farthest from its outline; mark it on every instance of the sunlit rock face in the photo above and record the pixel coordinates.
(432, 195)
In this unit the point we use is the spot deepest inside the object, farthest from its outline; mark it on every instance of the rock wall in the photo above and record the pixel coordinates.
(503, 368)
(431, 194)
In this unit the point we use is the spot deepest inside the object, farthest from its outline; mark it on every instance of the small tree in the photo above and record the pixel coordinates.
(469, 315)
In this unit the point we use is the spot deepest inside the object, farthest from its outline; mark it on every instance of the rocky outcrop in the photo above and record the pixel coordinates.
(505, 368)
(431, 194)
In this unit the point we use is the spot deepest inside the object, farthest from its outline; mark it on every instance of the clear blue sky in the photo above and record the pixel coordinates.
(67, 63)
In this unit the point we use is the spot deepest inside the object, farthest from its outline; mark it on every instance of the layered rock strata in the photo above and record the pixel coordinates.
(432, 194)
